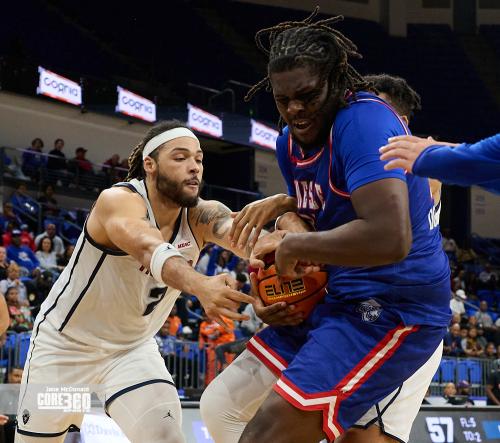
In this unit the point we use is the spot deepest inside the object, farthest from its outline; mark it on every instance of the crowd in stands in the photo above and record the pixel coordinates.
(54, 168)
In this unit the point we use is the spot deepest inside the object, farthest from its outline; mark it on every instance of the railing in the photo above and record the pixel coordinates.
(453, 370)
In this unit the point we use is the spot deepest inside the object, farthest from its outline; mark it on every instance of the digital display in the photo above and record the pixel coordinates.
(263, 135)
(56, 86)
(130, 103)
(203, 121)
(456, 426)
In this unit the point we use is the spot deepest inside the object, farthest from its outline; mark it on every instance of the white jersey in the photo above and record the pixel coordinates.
(107, 299)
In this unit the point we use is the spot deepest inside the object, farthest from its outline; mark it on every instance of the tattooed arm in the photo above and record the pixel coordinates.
(212, 222)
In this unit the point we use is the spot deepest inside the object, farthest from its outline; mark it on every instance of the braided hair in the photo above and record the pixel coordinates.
(316, 44)
(135, 165)
(402, 96)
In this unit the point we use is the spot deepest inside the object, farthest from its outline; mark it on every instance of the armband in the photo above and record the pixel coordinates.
(160, 255)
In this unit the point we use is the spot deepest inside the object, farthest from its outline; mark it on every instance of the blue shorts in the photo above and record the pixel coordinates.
(344, 359)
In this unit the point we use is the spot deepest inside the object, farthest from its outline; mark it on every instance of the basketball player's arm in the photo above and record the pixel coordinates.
(118, 221)
(380, 235)
(4, 315)
(212, 221)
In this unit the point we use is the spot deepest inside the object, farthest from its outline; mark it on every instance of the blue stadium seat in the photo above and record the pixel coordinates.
(463, 370)
(447, 370)
(437, 376)
(475, 372)
(487, 296)
(24, 344)
(494, 315)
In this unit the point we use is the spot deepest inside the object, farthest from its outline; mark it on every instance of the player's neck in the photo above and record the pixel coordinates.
(164, 209)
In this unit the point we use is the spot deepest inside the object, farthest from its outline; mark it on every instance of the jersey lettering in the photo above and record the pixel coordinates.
(157, 295)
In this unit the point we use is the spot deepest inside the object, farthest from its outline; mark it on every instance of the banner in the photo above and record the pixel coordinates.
(263, 135)
(55, 86)
(135, 105)
(97, 428)
(202, 121)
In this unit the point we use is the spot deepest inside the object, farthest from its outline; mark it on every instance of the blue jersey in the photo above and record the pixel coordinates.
(465, 165)
(323, 179)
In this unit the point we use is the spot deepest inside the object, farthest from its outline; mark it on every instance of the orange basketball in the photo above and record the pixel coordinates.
(304, 292)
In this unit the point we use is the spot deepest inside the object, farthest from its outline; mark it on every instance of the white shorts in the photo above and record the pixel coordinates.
(59, 364)
(396, 413)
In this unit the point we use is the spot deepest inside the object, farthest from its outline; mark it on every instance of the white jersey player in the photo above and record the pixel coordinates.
(95, 329)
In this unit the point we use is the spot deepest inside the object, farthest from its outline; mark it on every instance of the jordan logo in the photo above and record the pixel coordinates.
(169, 415)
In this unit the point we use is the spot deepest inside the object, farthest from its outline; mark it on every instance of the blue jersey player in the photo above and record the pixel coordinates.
(465, 165)
(376, 341)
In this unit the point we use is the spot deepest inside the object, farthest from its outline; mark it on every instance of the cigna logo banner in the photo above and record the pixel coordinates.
(56, 86)
(202, 121)
(263, 135)
(134, 105)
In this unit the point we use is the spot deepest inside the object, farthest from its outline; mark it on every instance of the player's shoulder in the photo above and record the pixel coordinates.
(282, 141)
(118, 198)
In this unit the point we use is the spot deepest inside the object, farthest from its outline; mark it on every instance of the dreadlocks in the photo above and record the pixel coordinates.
(296, 43)
(135, 168)
(403, 97)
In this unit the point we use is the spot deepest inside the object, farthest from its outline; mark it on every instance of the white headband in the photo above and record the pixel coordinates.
(164, 137)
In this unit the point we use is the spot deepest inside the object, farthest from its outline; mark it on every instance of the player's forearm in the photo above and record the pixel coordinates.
(464, 165)
(292, 222)
(4, 315)
(357, 243)
(179, 274)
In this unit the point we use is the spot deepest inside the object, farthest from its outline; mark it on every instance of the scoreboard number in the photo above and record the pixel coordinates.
(440, 429)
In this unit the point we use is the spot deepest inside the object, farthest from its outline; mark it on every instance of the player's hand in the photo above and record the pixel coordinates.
(253, 217)
(287, 261)
(220, 298)
(266, 244)
(402, 151)
(277, 314)
(3, 419)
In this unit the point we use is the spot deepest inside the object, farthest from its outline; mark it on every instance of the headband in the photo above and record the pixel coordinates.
(164, 137)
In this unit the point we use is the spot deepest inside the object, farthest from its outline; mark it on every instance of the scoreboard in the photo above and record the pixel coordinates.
(456, 424)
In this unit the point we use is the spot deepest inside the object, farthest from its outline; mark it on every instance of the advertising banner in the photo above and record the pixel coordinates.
(134, 105)
(60, 88)
(202, 121)
(263, 135)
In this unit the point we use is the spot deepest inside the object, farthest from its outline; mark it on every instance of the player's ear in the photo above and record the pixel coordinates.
(406, 120)
(149, 165)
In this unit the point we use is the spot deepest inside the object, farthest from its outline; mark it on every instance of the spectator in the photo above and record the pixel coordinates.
(50, 231)
(472, 322)
(26, 237)
(212, 334)
(23, 203)
(254, 324)
(4, 263)
(166, 343)
(22, 255)
(493, 385)
(48, 204)
(15, 375)
(109, 168)
(463, 389)
(123, 169)
(452, 341)
(222, 262)
(12, 280)
(449, 245)
(46, 255)
(202, 264)
(20, 319)
(449, 391)
(82, 168)
(37, 290)
(33, 160)
(456, 318)
(457, 302)
(175, 322)
(9, 216)
(481, 339)
(241, 268)
(242, 283)
(459, 281)
(57, 165)
(63, 261)
(485, 321)
(487, 278)
(471, 346)
(490, 351)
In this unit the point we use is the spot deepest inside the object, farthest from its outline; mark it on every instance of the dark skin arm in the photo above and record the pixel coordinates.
(380, 235)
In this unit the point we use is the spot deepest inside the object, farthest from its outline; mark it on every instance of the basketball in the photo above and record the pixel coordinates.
(304, 292)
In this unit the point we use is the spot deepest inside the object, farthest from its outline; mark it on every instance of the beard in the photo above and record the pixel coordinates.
(173, 190)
